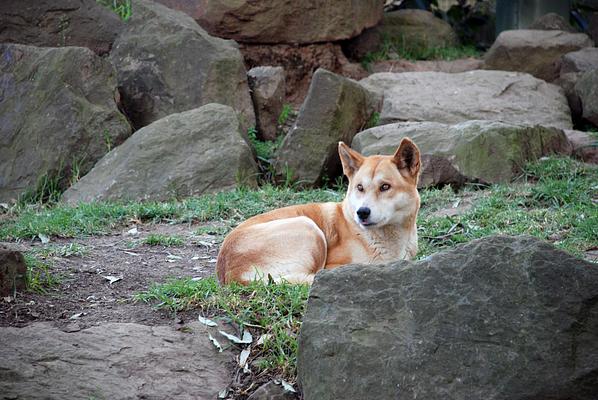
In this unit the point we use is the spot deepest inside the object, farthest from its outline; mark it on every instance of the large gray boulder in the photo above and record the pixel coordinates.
(534, 51)
(503, 318)
(584, 145)
(274, 21)
(336, 108)
(111, 361)
(58, 23)
(580, 61)
(483, 95)
(186, 154)
(486, 151)
(167, 64)
(586, 89)
(57, 113)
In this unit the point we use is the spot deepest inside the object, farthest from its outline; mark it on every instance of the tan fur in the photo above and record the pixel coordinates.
(294, 243)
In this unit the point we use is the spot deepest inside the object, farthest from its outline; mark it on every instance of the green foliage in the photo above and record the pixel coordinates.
(27, 221)
(265, 149)
(274, 309)
(285, 113)
(67, 250)
(163, 240)
(123, 8)
(373, 121)
(48, 189)
(39, 274)
(398, 49)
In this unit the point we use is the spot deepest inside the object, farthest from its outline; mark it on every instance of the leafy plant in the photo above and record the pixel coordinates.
(123, 8)
(39, 274)
(285, 113)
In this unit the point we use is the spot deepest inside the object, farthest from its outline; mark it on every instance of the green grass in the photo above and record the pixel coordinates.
(39, 274)
(557, 199)
(59, 220)
(155, 239)
(399, 50)
(269, 309)
(67, 250)
(123, 8)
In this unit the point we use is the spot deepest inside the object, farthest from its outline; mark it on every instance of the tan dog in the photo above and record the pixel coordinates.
(376, 222)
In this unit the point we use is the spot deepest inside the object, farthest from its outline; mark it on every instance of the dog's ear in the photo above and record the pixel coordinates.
(351, 159)
(407, 159)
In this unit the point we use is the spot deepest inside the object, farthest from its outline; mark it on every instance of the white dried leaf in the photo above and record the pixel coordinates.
(173, 257)
(247, 338)
(112, 279)
(287, 386)
(215, 342)
(223, 393)
(133, 231)
(213, 260)
(44, 238)
(76, 316)
(243, 357)
(197, 278)
(263, 338)
(132, 254)
(206, 321)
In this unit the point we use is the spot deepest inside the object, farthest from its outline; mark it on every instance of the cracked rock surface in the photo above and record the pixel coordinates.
(110, 361)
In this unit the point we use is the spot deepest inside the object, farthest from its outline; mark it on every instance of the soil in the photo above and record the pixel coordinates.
(84, 295)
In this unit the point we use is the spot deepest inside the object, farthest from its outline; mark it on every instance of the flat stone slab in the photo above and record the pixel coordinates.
(110, 361)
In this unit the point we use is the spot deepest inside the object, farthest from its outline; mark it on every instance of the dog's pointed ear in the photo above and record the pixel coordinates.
(351, 159)
(408, 159)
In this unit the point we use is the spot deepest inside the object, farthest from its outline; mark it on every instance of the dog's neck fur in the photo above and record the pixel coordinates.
(387, 243)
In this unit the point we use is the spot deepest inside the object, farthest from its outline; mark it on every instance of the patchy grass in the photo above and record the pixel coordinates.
(123, 8)
(28, 221)
(156, 239)
(399, 50)
(556, 200)
(273, 311)
(39, 274)
(67, 250)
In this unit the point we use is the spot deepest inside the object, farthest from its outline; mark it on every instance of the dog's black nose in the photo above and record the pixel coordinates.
(363, 213)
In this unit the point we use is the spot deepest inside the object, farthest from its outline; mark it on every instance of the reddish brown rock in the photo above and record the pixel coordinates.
(300, 62)
(288, 21)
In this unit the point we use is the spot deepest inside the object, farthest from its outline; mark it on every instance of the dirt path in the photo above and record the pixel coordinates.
(88, 338)
(84, 294)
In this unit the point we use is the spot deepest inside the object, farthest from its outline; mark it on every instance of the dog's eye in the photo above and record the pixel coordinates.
(360, 187)
(384, 187)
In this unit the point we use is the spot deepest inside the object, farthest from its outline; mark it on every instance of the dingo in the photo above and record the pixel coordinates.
(374, 223)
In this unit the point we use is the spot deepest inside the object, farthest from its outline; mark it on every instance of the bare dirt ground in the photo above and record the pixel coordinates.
(85, 295)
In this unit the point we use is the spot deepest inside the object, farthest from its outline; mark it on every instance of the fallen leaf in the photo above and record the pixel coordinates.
(215, 342)
(287, 386)
(197, 278)
(112, 279)
(207, 244)
(7, 299)
(173, 257)
(44, 238)
(247, 338)
(244, 356)
(223, 393)
(132, 254)
(263, 338)
(133, 231)
(194, 258)
(213, 260)
(206, 321)
(77, 316)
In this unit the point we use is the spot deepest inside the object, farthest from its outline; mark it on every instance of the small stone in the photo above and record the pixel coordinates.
(13, 272)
